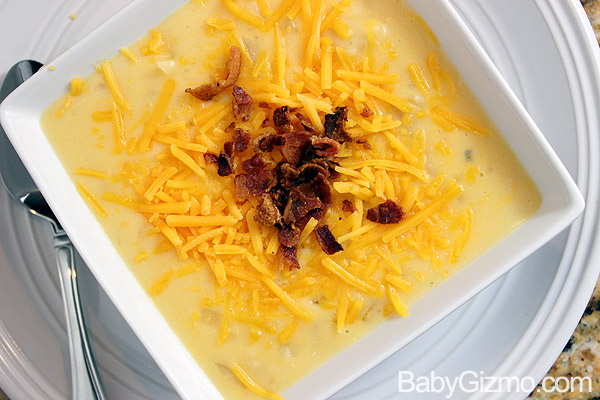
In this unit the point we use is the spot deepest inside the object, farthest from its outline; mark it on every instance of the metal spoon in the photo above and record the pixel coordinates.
(85, 380)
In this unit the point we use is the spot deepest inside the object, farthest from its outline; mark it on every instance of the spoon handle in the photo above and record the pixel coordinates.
(85, 380)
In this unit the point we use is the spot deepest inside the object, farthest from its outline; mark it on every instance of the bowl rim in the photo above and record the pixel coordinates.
(16, 116)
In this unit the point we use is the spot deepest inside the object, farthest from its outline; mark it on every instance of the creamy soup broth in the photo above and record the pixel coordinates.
(275, 347)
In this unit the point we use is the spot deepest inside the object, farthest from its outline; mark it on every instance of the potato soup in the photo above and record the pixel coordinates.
(326, 168)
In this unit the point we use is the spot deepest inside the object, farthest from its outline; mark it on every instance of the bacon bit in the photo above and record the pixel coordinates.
(230, 128)
(253, 164)
(365, 143)
(279, 195)
(241, 139)
(325, 147)
(234, 66)
(210, 90)
(287, 178)
(367, 112)
(327, 241)
(305, 122)
(264, 104)
(335, 125)
(348, 206)
(309, 171)
(306, 174)
(327, 167)
(288, 257)
(253, 185)
(266, 122)
(211, 158)
(228, 148)
(386, 213)
(224, 166)
(295, 146)
(318, 187)
(310, 178)
(267, 212)
(266, 142)
(299, 204)
(242, 104)
(281, 119)
(289, 236)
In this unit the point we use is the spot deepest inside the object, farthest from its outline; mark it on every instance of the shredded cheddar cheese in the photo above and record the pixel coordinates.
(113, 85)
(242, 14)
(157, 112)
(92, 201)
(243, 376)
(91, 172)
(76, 86)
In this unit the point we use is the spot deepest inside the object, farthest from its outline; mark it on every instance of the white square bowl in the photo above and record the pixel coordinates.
(561, 200)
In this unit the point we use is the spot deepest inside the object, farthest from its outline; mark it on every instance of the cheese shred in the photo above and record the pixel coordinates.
(243, 376)
(156, 115)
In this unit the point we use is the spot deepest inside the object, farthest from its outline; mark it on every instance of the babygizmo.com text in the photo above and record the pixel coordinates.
(478, 382)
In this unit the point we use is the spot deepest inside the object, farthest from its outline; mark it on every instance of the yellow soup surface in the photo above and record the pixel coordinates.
(134, 143)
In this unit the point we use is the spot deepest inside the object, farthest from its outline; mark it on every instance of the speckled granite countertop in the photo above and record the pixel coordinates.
(581, 356)
(592, 8)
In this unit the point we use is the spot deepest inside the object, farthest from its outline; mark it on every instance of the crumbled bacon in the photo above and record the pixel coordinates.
(288, 257)
(386, 213)
(325, 147)
(348, 206)
(266, 142)
(289, 236)
(253, 185)
(287, 175)
(264, 104)
(242, 104)
(335, 125)
(318, 187)
(327, 167)
(295, 146)
(224, 166)
(234, 66)
(241, 139)
(228, 148)
(230, 128)
(305, 122)
(317, 213)
(367, 112)
(210, 90)
(279, 195)
(310, 177)
(299, 204)
(266, 122)
(267, 212)
(211, 158)
(281, 119)
(327, 241)
(365, 143)
(288, 172)
(298, 188)
(309, 171)
(253, 164)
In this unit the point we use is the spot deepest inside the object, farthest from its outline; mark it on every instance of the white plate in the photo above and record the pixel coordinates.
(538, 62)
